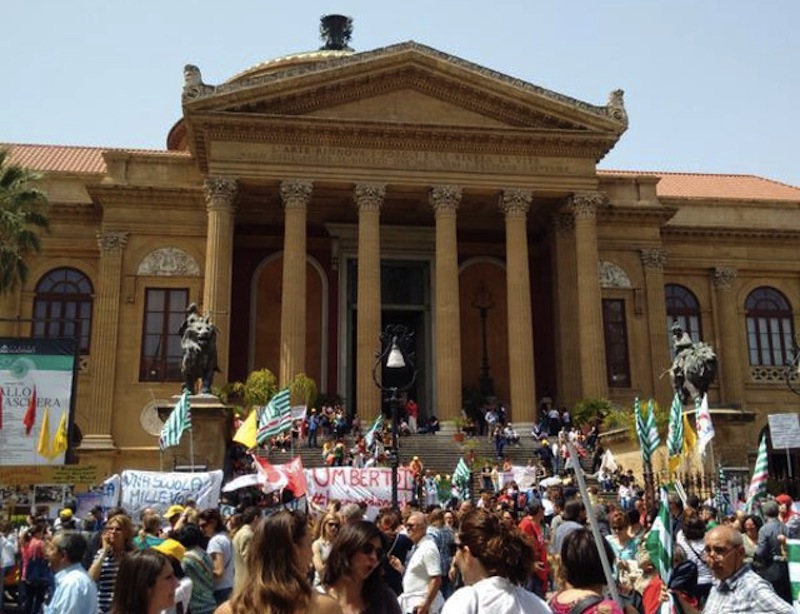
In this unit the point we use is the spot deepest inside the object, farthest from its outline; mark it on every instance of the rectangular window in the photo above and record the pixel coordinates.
(616, 339)
(161, 353)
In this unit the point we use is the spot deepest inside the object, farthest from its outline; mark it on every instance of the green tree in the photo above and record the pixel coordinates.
(22, 216)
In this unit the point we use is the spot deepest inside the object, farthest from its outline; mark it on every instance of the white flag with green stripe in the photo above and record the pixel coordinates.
(374, 430)
(659, 540)
(758, 483)
(793, 556)
(179, 420)
(275, 418)
(462, 474)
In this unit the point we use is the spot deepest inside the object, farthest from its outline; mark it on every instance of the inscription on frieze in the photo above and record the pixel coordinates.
(315, 155)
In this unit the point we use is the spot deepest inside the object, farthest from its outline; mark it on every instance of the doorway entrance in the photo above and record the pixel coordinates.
(405, 301)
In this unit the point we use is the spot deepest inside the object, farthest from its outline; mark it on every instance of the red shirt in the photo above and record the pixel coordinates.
(527, 526)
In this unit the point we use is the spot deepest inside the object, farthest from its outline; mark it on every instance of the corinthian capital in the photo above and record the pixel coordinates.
(584, 204)
(296, 193)
(444, 198)
(112, 242)
(369, 196)
(220, 190)
(515, 202)
(655, 258)
(724, 277)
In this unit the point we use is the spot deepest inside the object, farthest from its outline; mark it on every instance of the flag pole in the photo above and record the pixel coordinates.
(599, 540)
(191, 447)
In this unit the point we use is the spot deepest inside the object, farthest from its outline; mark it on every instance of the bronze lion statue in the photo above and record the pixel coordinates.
(199, 343)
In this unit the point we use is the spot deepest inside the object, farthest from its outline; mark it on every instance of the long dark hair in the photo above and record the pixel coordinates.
(137, 574)
(352, 538)
(275, 583)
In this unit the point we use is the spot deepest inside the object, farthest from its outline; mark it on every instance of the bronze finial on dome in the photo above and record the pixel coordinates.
(336, 31)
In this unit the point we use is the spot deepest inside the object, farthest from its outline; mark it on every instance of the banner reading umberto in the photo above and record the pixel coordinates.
(36, 382)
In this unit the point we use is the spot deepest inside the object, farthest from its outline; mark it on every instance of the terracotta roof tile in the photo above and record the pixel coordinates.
(735, 187)
(68, 158)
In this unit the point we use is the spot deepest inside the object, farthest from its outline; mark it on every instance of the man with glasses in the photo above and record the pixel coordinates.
(75, 592)
(737, 588)
(422, 573)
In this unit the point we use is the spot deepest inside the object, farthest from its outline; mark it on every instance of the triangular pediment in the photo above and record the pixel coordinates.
(406, 83)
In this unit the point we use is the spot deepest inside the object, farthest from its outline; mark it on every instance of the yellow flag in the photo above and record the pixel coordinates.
(60, 438)
(246, 434)
(44, 435)
(689, 437)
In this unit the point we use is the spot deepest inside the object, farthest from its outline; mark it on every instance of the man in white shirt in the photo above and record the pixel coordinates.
(75, 592)
(422, 573)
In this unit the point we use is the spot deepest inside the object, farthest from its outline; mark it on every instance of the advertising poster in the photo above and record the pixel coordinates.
(35, 399)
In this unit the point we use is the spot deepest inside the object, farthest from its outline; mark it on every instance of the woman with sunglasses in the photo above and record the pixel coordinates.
(326, 533)
(278, 562)
(117, 541)
(495, 561)
(353, 574)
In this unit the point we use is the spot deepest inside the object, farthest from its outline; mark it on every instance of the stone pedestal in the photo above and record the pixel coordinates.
(212, 429)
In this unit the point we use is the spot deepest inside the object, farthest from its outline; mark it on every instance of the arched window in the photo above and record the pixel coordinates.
(769, 327)
(63, 307)
(683, 307)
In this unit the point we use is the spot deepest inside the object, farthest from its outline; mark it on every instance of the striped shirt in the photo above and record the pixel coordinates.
(105, 583)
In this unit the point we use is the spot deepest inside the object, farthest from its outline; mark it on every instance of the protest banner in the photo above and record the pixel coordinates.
(352, 485)
(160, 490)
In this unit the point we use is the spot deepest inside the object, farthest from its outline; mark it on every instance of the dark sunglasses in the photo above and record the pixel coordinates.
(370, 548)
(454, 547)
(332, 524)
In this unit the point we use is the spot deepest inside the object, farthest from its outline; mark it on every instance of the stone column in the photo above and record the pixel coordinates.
(730, 332)
(653, 262)
(566, 309)
(588, 296)
(445, 200)
(515, 205)
(98, 429)
(220, 195)
(369, 199)
(296, 195)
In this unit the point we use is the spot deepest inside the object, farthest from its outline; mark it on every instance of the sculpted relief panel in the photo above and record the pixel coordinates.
(168, 262)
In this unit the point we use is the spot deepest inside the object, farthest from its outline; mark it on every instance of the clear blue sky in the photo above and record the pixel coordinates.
(710, 86)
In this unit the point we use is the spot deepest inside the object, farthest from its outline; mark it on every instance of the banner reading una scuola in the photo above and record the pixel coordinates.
(159, 490)
(35, 393)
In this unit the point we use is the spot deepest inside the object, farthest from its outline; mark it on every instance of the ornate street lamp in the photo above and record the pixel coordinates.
(397, 358)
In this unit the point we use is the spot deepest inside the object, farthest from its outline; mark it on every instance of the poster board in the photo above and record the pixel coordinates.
(36, 390)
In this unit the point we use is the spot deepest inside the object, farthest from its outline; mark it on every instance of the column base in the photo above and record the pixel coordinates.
(97, 442)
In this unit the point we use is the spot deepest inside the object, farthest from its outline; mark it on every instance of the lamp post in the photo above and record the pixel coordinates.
(396, 355)
(483, 302)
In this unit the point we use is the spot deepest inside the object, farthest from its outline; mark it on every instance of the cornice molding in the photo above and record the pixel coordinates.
(155, 197)
(427, 59)
(739, 234)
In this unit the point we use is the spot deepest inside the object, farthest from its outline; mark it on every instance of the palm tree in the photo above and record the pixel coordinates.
(21, 217)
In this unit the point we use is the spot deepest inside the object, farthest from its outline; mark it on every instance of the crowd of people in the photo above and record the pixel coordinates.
(498, 554)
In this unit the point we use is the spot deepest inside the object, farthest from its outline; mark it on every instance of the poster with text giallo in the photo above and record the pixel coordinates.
(36, 386)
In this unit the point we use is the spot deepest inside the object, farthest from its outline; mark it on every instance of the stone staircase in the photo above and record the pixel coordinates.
(439, 452)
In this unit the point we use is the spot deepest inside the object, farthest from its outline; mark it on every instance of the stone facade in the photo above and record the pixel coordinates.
(307, 203)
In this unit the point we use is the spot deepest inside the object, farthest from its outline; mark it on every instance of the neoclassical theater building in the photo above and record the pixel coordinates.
(310, 201)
